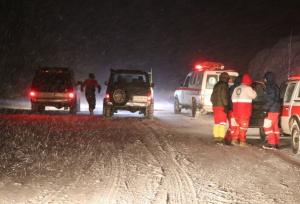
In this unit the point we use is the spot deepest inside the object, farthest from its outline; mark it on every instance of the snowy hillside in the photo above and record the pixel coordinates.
(276, 59)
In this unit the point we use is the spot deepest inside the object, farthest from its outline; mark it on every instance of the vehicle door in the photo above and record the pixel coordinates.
(193, 90)
(291, 99)
(185, 89)
(209, 81)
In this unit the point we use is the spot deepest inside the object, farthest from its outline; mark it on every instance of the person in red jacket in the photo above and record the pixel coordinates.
(242, 108)
(90, 86)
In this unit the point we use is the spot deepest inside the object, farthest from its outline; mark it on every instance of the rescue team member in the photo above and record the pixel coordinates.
(220, 101)
(242, 107)
(231, 120)
(90, 86)
(272, 108)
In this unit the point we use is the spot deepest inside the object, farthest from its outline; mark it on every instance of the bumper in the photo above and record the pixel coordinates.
(54, 101)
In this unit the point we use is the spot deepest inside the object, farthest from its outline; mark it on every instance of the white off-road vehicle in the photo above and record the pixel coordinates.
(197, 88)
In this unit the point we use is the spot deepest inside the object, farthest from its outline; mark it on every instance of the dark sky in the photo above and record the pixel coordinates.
(167, 36)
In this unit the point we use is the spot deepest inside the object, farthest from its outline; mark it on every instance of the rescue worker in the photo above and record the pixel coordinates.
(220, 102)
(242, 108)
(90, 86)
(272, 109)
(231, 120)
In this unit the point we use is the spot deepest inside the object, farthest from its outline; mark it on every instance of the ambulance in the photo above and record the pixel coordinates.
(195, 92)
(290, 113)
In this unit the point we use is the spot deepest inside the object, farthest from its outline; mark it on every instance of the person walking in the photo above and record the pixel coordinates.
(220, 102)
(272, 109)
(242, 108)
(90, 86)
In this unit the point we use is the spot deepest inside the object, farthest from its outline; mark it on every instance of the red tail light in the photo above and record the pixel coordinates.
(71, 95)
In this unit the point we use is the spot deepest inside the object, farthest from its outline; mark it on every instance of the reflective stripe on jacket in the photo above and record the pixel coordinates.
(242, 101)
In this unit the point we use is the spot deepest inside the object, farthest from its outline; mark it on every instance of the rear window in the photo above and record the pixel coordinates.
(126, 78)
(49, 81)
(212, 79)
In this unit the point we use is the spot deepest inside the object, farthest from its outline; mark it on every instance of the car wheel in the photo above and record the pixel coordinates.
(262, 134)
(149, 111)
(295, 138)
(107, 111)
(119, 97)
(34, 107)
(73, 109)
(40, 108)
(194, 107)
(177, 108)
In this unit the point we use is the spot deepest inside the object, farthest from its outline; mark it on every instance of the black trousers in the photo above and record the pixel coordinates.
(91, 99)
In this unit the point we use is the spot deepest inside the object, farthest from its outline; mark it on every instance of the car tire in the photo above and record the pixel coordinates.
(262, 134)
(194, 107)
(119, 97)
(177, 108)
(107, 111)
(73, 109)
(34, 107)
(149, 112)
(295, 138)
(37, 108)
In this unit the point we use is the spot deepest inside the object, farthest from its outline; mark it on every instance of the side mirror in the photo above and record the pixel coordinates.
(106, 83)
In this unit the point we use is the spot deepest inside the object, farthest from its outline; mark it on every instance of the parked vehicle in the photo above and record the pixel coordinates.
(54, 87)
(290, 114)
(130, 90)
(197, 88)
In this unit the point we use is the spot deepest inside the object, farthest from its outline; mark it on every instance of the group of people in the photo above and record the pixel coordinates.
(234, 104)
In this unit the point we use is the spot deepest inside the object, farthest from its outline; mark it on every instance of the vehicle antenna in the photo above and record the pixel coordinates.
(290, 52)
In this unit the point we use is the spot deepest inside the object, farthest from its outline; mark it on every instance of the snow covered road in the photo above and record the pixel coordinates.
(60, 158)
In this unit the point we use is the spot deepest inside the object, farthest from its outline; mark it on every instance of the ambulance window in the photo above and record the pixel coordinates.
(187, 81)
(289, 92)
(212, 79)
(199, 79)
(193, 78)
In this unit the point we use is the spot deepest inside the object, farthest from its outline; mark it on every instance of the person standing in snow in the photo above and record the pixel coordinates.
(231, 120)
(242, 108)
(272, 109)
(90, 86)
(220, 101)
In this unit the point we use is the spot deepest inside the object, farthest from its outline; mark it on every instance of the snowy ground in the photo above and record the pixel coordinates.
(59, 158)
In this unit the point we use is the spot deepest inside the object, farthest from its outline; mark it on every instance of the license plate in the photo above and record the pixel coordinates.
(139, 98)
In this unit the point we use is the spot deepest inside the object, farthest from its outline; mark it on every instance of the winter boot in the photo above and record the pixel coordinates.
(222, 131)
(235, 142)
(244, 144)
(216, 132)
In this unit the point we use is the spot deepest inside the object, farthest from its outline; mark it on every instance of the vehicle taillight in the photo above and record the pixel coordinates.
(107, 97)
(32, 94)
(71, 95)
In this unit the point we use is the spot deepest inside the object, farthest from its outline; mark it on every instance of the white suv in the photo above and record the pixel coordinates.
(290, 114)
(197, 88)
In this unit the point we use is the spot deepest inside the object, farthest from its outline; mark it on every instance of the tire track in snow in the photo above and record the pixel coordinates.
(177, 184)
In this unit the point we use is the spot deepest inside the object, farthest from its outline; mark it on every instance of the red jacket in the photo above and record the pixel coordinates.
(242, 98)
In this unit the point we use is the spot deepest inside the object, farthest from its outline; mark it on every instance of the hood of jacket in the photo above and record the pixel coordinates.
(246, 79)
(269, 77)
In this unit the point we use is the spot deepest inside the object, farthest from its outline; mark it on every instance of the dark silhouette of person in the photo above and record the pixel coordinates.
(90, 86)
